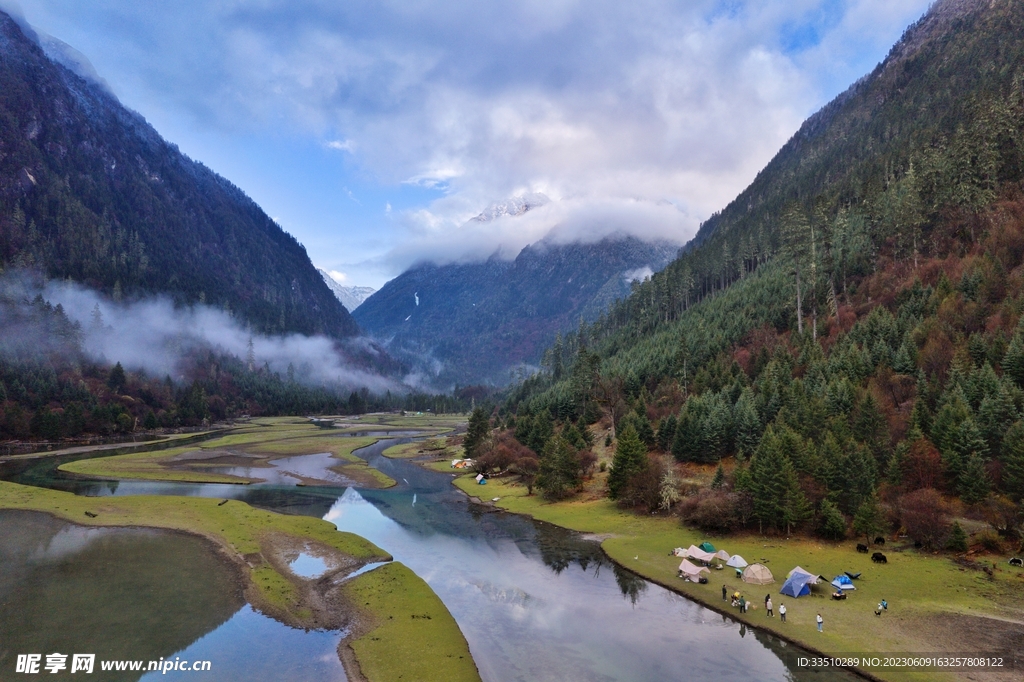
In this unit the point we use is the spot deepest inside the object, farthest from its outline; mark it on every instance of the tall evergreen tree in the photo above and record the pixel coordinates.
(630, 457)
(559, 474)
(476, 432)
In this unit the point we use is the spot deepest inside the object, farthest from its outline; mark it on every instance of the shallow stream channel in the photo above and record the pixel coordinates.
(535, 602)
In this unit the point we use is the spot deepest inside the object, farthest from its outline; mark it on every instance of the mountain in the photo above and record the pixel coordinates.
(90, 192)
(473, 322)
(350, 297)
(848, 332)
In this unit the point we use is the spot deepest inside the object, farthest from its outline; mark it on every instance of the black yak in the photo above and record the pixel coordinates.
(879, 558)
(863, 549)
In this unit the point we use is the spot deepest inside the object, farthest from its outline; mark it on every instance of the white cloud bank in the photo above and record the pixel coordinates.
(154, 335)
(648, 115)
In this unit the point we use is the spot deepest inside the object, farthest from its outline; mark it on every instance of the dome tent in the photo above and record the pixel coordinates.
(843, 582)
(757, 574)
(736, 561)
(797, 585)
(707, 547)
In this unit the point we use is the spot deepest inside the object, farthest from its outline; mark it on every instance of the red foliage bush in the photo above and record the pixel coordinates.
(922, 466)
(924, 515)
(715, 510)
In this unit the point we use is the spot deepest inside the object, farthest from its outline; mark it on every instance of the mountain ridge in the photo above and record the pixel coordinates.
(89, 191)
(474, 322)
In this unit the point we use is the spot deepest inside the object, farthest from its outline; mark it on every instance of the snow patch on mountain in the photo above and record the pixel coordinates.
(513, 207)
(350, 297)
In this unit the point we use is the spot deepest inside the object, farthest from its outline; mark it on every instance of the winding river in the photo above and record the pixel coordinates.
(536, 602)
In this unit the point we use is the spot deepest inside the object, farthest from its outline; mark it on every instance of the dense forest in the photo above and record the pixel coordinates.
(91, 193)
(843, 345)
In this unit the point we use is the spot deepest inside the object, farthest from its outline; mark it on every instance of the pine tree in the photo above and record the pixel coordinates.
(719, 480)
(630, 457)
(957, 538)
(869, 520)
(973, 485)
(1013, 361)
(476, 432)
(559, 474)
(778, 501)
(747, 424)
(117, 379)
(1013, 461)
(666, 433)
(831, 522)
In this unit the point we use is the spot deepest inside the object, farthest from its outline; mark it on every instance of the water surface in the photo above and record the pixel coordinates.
(535, 602)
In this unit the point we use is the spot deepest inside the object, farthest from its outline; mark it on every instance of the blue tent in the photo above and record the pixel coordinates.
(843, 582)
(797, 585)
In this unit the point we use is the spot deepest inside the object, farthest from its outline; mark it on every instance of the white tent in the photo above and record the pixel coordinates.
(757, 574)
(736, 561)
(695, 552)
(691, 572)
(679, 551)
(814, 578)
(723, 555)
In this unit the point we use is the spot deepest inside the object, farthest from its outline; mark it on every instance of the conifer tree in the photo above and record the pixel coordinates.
(778, 500)
(1013, 361)
(719, 480)
(559, 474)
(476, 431)
(973, 484)
(869, 519)
(831, 522)
(666, 433)
(957, 538)
(630, 457)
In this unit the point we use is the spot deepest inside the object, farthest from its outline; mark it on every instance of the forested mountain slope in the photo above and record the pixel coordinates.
(472, 323)
(89, 191)
(847, 333)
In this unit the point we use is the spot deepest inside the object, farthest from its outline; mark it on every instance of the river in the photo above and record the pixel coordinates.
(535, 602)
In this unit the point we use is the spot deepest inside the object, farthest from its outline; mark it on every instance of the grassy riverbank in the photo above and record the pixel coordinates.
(412, 636)
(254, 445)
(403, 631)
(935, 605)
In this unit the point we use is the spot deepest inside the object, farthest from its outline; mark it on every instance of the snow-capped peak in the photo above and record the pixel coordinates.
(513, 207)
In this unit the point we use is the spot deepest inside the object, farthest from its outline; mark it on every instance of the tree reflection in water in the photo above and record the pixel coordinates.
(630, 583)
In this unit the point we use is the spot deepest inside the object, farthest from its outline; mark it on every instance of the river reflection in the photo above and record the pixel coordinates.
(133, 594)
(535, 602)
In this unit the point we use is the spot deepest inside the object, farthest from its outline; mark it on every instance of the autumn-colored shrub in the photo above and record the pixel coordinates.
(715, 510)
(923, 514)
(922, 466)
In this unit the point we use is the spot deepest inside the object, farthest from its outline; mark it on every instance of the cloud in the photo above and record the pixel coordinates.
(598, 105)
(155, 335)
(339, 277)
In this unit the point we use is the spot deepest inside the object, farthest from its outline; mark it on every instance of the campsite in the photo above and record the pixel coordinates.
(934, 603)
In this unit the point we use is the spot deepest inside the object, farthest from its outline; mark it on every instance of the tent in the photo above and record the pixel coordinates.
(691, 572)
(797, 585)
(813, 578)
(707, 547)
(842, 582)
(736, 561)
(695, 552)
(758, 574)
(723, 555)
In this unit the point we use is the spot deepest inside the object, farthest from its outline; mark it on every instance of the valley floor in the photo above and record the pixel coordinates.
(397, 627)
(936, 606)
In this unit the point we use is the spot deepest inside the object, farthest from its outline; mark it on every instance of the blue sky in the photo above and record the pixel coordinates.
(373, 131)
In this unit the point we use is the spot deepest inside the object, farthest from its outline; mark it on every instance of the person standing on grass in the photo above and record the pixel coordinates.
(782, 612)
(820, 622)
(768, 607)
(725, 593)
